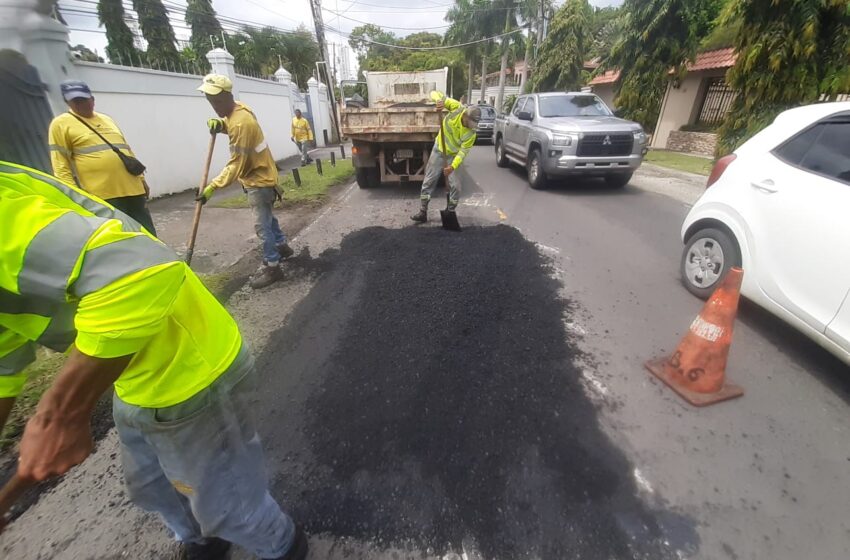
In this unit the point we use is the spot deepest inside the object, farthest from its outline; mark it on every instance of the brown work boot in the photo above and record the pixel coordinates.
(285, 250)
(266, 276)
(420, 217)
(299, 548)
(211, 549)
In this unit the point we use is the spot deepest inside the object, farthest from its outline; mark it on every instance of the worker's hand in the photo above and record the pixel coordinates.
(147, 189)
(207, 193)
(215, 126)
(448, 170)
(441, 104)
(52, 445)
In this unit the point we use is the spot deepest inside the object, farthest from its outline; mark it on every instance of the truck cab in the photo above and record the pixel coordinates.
(568, 134)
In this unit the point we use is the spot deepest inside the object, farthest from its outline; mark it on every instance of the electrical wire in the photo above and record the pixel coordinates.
(444, 47)
(338, 14)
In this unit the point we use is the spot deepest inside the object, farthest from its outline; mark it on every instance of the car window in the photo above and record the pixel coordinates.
(572, 106)
(829, 155)
(488, 112)
(520, 103)
(821, 149)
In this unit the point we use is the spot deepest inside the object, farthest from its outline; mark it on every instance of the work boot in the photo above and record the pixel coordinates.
(211, 549)
(266, 276)
(285, 250)
(299, 548)
(420, 217)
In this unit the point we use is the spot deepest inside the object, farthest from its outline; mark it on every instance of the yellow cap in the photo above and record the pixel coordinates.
(214, 84)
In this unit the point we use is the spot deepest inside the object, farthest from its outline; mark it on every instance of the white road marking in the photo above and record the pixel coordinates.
(595, 383)
(477, 199)
(548, 249)
(643, 482)
(575, 328)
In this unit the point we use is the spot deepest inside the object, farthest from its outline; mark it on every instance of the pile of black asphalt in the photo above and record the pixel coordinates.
(425, 394)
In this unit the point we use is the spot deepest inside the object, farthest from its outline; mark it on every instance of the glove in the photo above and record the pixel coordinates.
(204, 197)
(215, 126)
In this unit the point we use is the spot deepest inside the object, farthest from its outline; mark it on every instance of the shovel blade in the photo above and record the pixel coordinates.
(449, 220)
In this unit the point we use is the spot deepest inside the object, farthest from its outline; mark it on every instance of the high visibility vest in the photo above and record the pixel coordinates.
(75, 270)
(458, 139)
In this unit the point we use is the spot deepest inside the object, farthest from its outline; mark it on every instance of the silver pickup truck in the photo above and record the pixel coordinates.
(562, 134)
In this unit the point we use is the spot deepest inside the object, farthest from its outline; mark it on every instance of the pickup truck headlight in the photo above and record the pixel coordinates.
(640, 137)
(562, 140)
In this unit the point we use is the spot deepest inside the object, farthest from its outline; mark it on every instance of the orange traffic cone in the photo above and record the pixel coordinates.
(697, 369)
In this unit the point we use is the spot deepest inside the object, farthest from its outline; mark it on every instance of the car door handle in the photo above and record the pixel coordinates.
(767, 186)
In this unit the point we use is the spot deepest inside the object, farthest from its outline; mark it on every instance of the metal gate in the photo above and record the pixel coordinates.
(716, 103)
(25, 113)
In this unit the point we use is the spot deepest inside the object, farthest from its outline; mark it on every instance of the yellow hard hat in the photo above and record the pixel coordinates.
(214, 84)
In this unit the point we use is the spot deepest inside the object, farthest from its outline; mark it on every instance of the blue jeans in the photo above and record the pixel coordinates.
(199, 464)
(265, 224)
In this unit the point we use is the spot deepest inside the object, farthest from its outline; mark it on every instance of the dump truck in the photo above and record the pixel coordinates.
(393, 134)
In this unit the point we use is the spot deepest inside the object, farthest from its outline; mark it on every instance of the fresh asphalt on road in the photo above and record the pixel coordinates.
(485, 391)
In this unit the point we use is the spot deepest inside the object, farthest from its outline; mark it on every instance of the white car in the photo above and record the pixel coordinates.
(779, 207)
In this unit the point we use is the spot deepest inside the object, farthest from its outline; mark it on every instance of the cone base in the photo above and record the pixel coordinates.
(728, 391)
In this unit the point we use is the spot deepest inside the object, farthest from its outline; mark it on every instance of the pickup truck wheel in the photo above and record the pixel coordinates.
(501, 158)
(618, 181)
(367, 177)
(536, 175)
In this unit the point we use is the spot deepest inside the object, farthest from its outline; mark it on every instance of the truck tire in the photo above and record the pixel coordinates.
(618, 180)
(501, 158)
(536, 176)
(367, 177)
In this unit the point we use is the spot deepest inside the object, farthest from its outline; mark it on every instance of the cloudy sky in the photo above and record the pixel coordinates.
(400, 16)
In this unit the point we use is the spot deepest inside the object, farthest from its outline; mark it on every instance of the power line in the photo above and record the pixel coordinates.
(404, 47)
(385, 26)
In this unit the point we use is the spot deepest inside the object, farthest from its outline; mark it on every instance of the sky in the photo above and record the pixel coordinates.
(402, 17)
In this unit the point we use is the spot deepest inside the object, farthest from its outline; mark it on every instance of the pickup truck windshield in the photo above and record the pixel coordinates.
(573, 106)
(488, 112)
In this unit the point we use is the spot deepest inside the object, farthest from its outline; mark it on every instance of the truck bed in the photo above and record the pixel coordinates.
(393, 124)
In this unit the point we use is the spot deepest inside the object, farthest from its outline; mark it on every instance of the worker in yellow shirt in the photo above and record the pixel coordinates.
(72, 275)
(84, 151)
(250, 162)
(302, 135)
(455, 139)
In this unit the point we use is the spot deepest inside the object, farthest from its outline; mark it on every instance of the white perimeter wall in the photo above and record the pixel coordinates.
(164, 117)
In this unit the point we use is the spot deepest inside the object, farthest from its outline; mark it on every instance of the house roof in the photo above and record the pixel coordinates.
(710, 60)
(608, 77)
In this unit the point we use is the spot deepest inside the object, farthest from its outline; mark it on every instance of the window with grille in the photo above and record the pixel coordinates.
(406, 89)
(716, 102)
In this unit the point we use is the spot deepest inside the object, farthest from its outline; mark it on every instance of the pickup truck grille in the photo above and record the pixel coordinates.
(596, 145)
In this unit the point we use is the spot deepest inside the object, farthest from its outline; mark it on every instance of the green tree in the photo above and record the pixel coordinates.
(606, 25)
(657, 35)
(119, 38)
(299, 51)
(562, 55)
(85, 53)
(463, 30)
(201, 17)
(790, 52)
(157, 31)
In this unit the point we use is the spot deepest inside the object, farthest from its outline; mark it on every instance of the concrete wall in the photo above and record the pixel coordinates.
(681, 105)
(702, 143)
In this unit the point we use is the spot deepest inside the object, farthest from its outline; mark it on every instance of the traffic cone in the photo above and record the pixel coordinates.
(697, 369)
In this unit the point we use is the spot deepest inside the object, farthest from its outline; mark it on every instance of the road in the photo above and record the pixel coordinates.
(427, 394)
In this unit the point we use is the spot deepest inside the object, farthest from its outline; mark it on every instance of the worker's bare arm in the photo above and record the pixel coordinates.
(58, 436)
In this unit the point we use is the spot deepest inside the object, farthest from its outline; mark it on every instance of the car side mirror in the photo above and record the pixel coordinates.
(525, 116)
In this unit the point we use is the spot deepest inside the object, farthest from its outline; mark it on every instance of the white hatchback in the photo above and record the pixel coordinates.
(779, 207)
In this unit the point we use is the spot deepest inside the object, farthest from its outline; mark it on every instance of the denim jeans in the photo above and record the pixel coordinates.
(199, 464)
(136, 207)
(265, 224)
(303, 148)
(433, 170)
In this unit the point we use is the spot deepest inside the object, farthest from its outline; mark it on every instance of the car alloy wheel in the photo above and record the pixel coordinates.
(704, 262)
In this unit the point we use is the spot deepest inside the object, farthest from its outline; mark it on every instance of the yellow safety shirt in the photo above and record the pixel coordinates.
(251, 161)
(459, 139)
(72, 273)
(81, 158)
(301, 130)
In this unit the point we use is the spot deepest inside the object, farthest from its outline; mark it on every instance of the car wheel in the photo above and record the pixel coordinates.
(618, 181)
(708, 256)
(367, 177)
(501, 158)
(536, 175)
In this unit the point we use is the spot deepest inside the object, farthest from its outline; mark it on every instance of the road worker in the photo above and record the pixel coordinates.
(302, 135)
(250, 162)
(83, 147)
(457, 133)
(74, 277)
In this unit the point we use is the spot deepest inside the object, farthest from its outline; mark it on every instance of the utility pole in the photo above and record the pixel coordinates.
(316, 7)
(539, 28)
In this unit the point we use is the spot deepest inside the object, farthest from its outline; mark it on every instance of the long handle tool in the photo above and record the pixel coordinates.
(190, 248)
(448, 217)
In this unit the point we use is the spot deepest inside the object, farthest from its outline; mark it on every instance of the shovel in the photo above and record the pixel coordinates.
(190, 248)
(448, 217)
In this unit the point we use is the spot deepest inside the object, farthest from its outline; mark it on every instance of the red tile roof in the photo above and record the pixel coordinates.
(720, 58)
(609, 77)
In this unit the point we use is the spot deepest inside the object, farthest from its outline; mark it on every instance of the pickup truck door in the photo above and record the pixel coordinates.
(512, 126)
(523, 128)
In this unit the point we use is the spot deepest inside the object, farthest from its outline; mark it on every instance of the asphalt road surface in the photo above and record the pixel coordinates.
(482, 395)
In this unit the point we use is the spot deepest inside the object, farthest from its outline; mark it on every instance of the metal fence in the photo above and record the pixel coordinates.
(141, 60)
(716, 102)
(256, 75)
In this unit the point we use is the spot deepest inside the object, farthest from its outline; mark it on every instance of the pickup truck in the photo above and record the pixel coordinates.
(393, 134)
(568, 134)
